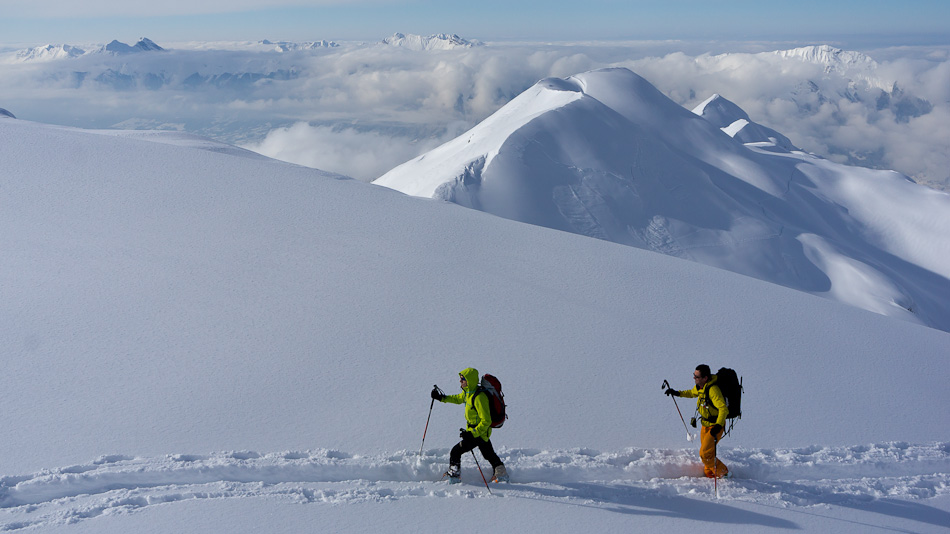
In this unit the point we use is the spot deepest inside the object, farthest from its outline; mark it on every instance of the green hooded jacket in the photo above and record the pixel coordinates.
(477, 413)
(713, 409)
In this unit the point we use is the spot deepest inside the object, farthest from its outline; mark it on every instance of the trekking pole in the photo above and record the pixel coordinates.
(689, 436)
(431, 404)
(480, 472)
(716, 469)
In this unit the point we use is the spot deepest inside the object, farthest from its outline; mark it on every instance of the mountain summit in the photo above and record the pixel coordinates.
(735, 122)
(606, 155)
(441, 41)
(144, 45)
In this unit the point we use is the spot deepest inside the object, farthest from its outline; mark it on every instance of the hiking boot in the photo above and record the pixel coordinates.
(454, 473)
(727, 475)
(501, 474)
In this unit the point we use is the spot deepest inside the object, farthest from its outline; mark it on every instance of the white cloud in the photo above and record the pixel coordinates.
(818, 110)
(361, 155)
(360, 110)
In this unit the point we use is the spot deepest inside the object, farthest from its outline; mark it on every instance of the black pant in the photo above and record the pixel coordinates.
(468, 443)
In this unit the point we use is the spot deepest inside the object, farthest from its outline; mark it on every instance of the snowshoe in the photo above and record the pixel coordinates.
(501, 474)
(454, 474)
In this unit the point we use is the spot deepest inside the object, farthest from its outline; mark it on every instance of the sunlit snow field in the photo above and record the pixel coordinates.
(201, 339)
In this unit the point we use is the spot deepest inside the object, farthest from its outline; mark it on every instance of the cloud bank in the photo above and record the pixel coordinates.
(362, 108)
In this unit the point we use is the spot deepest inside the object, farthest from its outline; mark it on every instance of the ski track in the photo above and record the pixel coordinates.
(811, 476)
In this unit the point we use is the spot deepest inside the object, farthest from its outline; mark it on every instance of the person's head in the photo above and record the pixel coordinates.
(468, 379)
(701, 375)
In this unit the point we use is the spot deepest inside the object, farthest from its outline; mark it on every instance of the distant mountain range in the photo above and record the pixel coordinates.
(65, 51)
(606, 155)
(834, 59)
(51, 52)
(441, 41)
(287, 46)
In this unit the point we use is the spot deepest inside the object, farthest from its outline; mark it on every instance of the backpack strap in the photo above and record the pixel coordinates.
(707, 402)
(478, 390)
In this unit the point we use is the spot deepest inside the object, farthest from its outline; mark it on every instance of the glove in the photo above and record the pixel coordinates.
(672, 392)
(715, 430)
(466, 434)
(437, 394)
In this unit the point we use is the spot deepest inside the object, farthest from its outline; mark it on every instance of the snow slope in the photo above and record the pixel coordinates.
(606, 155)
(202, 341)
(736, 123)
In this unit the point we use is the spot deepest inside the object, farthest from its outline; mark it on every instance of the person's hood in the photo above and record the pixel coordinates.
(471, 376)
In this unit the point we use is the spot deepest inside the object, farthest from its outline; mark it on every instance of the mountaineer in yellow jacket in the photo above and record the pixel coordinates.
(712, 408)
(478, 429)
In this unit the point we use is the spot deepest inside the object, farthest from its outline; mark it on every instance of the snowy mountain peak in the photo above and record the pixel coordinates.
(441, 41)
(117, 47)
(49, 53)
(6, 114)
(735, 122)
(143, 45)
(833, 59)
(147, 45)
(286, 46)
(604, 154)
(720, 111)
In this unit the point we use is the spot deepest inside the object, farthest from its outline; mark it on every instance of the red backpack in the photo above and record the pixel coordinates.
(496, 399)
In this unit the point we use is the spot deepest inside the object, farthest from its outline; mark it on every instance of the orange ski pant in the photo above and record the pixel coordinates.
(707, 452)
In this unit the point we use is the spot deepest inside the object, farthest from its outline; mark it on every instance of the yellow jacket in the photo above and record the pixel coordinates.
(709, 402)
(477, 413)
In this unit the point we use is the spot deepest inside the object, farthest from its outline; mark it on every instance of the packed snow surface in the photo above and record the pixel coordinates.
(199, 339)
(606, 155)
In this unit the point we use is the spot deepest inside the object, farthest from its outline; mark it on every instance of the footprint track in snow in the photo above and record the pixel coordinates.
(801, 477)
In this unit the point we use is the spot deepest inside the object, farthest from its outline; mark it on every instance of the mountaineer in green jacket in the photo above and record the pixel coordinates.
(712, 408)
(478, 429)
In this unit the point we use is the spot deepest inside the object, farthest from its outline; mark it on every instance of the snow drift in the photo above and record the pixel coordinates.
(606, 155)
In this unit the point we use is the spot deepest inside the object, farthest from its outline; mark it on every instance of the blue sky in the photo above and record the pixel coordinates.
(864, 22)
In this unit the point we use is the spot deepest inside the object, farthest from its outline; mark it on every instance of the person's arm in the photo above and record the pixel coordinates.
(689, 393)
(454, 399)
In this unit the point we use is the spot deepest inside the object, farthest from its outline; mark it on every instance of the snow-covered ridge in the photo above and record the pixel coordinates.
(289, 46)
(606, 155)
(834, 58)
(120, 49)
(64, 51)
(850, 64)
(735, 122)
(49, 53)
(441, 41)
(810, 476)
